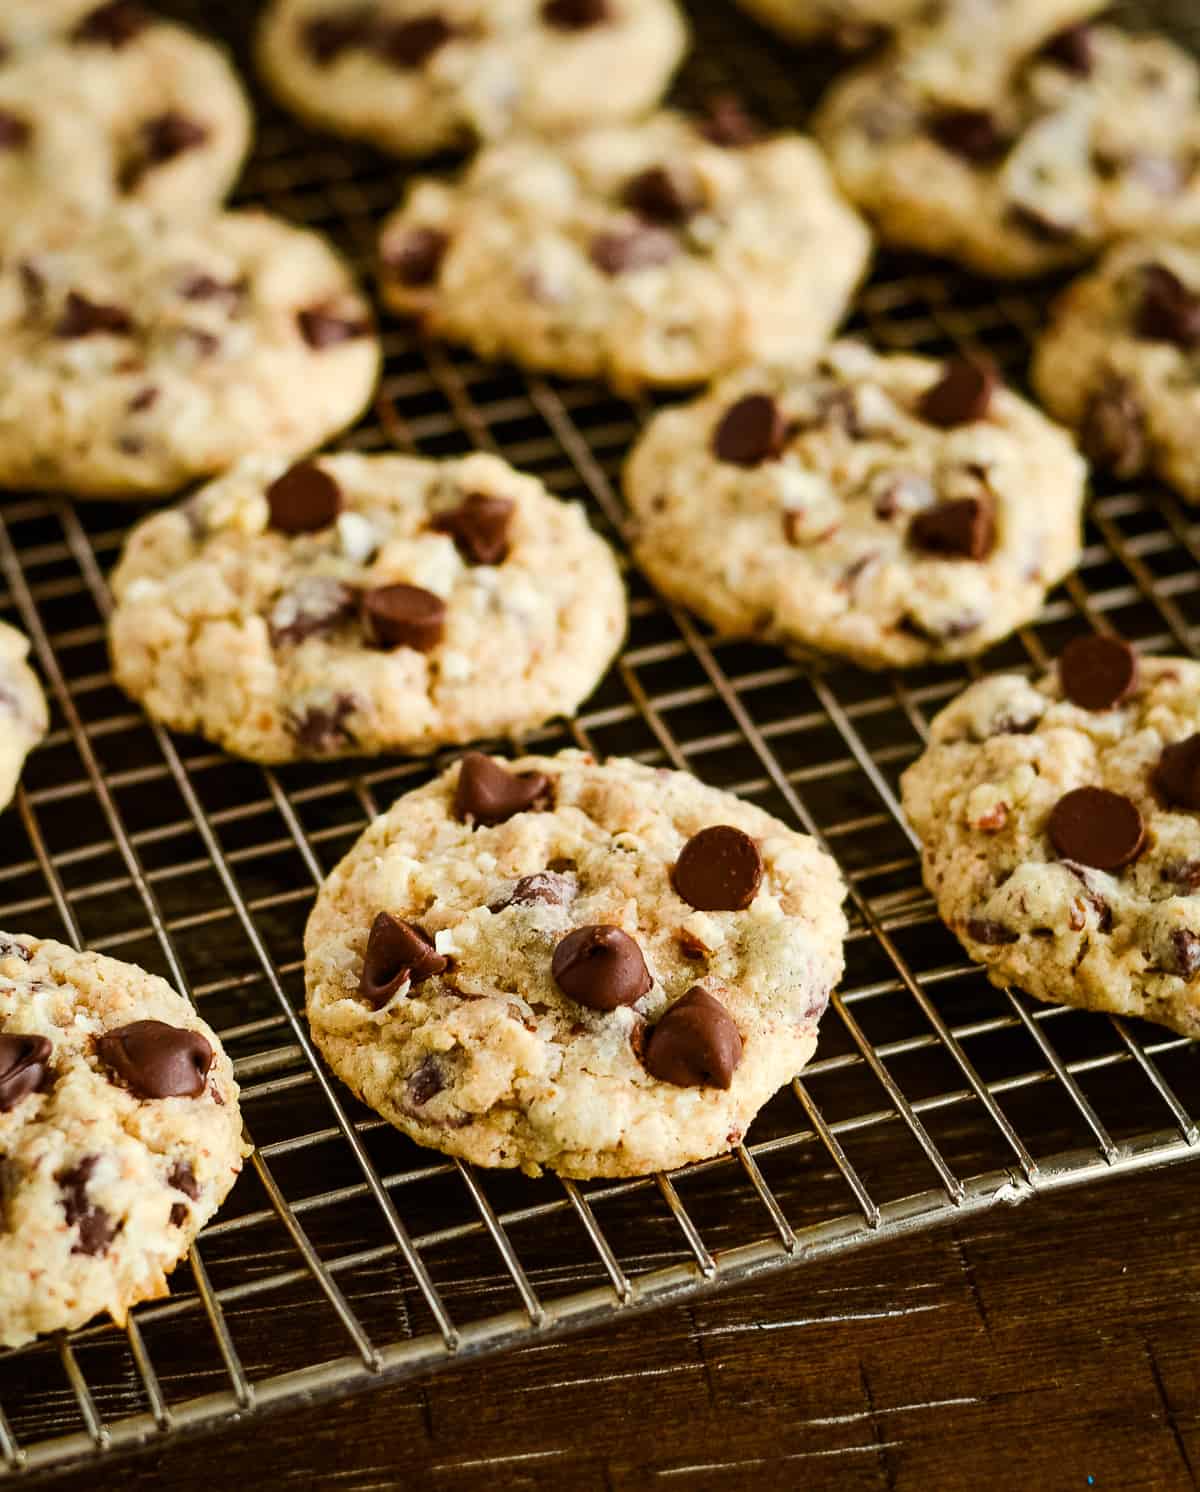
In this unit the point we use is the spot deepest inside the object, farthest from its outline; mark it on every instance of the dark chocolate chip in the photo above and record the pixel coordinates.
(964, 528)
(15, 132)
(24, 1068)
(410, 44)
(971, 133)
(488, 793)
(1167, 310)
(113, 24)
(695, 1044)
(719, 870)
(416, 258)
(82, 318)
(601, 967)
(206, 287)
(323, 328)
(961, 395)
(1096, 827)
(750, 432)
(991, 934)
(96, 1228)
(397, 952)
(1072, 49)
(1114, 433)
(663, 195)
(425, 1083)
(183, 1179)
(479, 527)
(303, 500)
(157, 1060)
(403, 616)
(544, 887)
(326, 37)
(323, 732)
(1097, 673)
(1182, 873)
(9, 949)
(143, 400)
(1177, 775)
(629, 249)
(318, 606)
(1185, 953)
(179, 1214)
(726, 122)
(576, 15)
(170, 135)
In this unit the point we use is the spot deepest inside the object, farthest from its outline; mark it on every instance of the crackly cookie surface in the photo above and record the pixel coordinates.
(360, 604)
(1060, 822)
(598, 968)
(416, 76)
(653, 253)
(146, 353)
(1016, 168)
(889, 508)
(23, 716)
(120, 1133)
(1120, 361)
(105, 105)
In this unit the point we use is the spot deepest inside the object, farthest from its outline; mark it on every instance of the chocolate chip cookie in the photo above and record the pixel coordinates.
(23, 716)
(361, 604)
(889, 508)
(598, 969)
(144, 353)
(1061, 829)
(120, 1134)
(654, 253)
(417, 76)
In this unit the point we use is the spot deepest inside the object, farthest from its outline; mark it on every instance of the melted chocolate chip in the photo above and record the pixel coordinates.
(397, 952)
(719, 870)
(961, 396)
(425, 1083)
(323, 328)
(1097, 673)
(1185, 954)
(170, 135)
(1096, 827)
(1072, 49)
(416, 258)
(183, 1179)
(24, 1068)
(323, 732)
(991, 934)
(971, 133)
(601, 967)
(750, 432)
(662, 195)
(964, 528)
(1114, 433)
(576, 15)
(727, 123)
(479, 527)
(627, 250)
(96, 1228)
(403, 616)
(303, 500)
(695, 1044)
(488, 793)
(326, 37)
(544, 887)
(1167, 310)
(15, 132)
(318, 606)
(206, 287)
(83, 318)
(410, 44)
(1177, 775)
(143, 400)
(113, 24)
(157, 1060)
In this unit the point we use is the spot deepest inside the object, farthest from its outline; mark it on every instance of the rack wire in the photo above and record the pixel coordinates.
(348, 1256)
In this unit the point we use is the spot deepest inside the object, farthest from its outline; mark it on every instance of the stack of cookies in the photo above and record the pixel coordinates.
(600, 968)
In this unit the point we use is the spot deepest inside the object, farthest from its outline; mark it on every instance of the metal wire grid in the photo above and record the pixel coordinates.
(347, 1255)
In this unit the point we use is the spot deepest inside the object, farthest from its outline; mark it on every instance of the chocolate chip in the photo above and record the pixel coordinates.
(157, 1060)
(303, 500)
(24, 1068)
(544, 887)
(315, 607)
(323, 328)
(662, 195)
(1072, 49)
(961, 396)
(1103, 911)
(1096, 827)
(206, 287)
(991, 934)
(971, 133)
(410, 44)
(1167, 310)
(96, 1228)
(323, 732)
(113, 24)
(1182, 873)
(601, 967)
(695, 1044)
(403, 616)
(82, 318)
(143, 400)
(719, 870)
(576, 15)
(183, 1179)
(1177, 775)
(630, 249)
(750, 432)
(397, 952)
(964, 528)
(170, 135)
(15, 132)
(326, 37)
(479, 527)
(416, 258)
(1185, 953)
(179, 1214)
(425, 1083)
(1114, 433)
(488, 793)
(1097, 673)
(728, 123)
(9, 949)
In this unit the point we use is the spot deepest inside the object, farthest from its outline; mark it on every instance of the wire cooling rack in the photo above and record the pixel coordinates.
(347, 1255)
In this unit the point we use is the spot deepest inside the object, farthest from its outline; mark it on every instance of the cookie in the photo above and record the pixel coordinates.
(103, 106)
(1016, 171)
(1060, 824)
(651, 253)
(23, 717)
(601, 969)
(850, 24)
(362, 604)
(889, 508)
(119, 1129)
(1119, 362)
(414, 77)
(146, 353)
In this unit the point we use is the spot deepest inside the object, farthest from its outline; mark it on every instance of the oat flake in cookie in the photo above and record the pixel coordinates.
(1061, 829)
(120, 1135)
(891, 509)
(350, 605)
(23, 716)
(654, 253)
(511, 965)
(145, 353)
